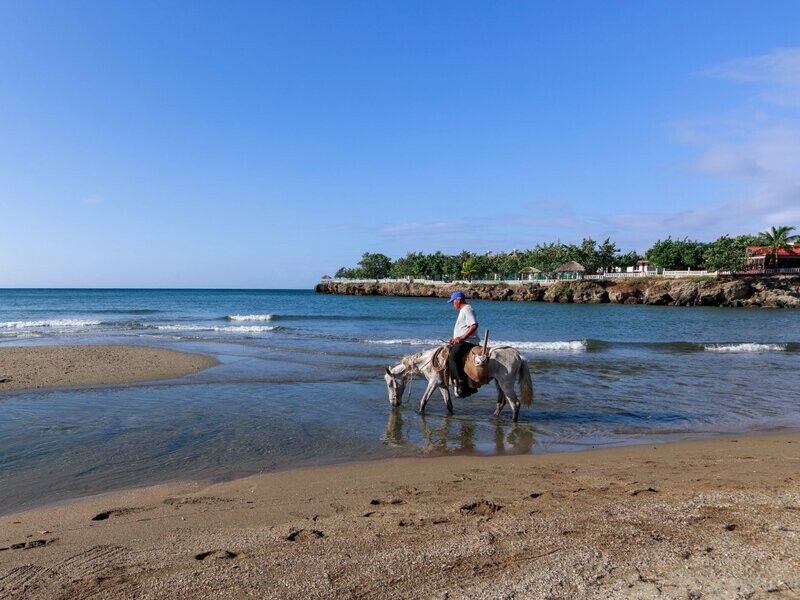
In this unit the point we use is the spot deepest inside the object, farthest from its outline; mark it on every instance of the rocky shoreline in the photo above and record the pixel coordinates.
(766, 292)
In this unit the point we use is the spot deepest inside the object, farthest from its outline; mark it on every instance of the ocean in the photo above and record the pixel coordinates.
(300, 383)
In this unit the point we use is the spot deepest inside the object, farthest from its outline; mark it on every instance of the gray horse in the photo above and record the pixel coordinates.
(506, 367)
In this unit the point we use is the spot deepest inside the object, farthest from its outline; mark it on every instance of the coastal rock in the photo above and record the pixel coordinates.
(658, 294)
(625, 296)
(771, 292)
(589, 292)
(559, 292)
(683, 293)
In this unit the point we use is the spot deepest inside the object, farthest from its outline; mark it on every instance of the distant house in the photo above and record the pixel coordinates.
(530, 274)
(570, 270)
(760, 258)
(643, 266)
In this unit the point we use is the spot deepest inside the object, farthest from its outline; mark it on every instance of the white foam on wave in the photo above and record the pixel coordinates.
(747, 347)
(573, 346)
(406, 342)
(229, 329)
(20, 336)
(249, 317)
(49, 323)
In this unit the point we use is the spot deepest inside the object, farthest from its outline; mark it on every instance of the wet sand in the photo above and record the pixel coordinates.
(33, 367)
(708, 519)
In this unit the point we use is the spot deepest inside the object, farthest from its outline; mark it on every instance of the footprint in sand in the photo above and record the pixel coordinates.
(480, 508)
(29, 545)
(378, 502)
(216, 555)
(642, 491)
(118, 512)
(195, 500)
(304, 535)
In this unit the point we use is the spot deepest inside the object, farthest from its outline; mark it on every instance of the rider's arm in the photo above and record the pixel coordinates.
(467, 333)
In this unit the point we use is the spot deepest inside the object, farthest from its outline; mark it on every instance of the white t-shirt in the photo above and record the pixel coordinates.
(466, 317)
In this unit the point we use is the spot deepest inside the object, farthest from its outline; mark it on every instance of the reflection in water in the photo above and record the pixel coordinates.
(393, 436)
(517, 440)
(455, 435)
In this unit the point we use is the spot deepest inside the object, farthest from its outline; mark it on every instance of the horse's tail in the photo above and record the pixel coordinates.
(525, 383)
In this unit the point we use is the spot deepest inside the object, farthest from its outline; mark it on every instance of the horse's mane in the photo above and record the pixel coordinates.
(411, 361)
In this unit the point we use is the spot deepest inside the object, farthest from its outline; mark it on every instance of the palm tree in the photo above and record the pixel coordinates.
(469, 268)
(775, 240)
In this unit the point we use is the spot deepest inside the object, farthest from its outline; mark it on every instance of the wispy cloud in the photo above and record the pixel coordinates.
(777, 74)
(760, 145)
(757, 146)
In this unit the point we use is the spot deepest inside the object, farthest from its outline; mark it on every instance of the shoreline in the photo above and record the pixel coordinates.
(43, 367)
(719, 517)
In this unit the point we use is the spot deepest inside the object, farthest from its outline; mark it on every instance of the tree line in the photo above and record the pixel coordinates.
(726, 253)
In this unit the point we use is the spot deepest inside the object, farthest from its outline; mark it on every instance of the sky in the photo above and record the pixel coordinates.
(265, 144)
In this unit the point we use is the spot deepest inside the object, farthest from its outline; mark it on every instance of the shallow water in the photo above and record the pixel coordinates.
(300, 383)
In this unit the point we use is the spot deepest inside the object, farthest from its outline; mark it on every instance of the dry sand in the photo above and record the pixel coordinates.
(57, 366)
(711, 519)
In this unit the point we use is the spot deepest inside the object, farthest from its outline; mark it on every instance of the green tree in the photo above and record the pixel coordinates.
(676, 254)
(727, 253)
(607, 255)
(627, 260)
(348, 273)
(775, 240)
(375, 266)
(470, 268)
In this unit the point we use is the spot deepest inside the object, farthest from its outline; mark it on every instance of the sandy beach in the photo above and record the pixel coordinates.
(700, 519)
(59, 366)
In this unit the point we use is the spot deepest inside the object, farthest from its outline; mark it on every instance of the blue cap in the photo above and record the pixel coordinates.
(456, 296)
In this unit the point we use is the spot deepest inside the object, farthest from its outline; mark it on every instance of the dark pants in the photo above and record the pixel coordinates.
(456, 360)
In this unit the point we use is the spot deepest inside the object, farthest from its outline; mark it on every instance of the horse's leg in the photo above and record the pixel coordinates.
(428, 391)
(501, 399)
(446, 397)
(514, 402)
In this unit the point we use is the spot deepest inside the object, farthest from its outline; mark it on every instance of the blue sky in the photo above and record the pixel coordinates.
(263, 144)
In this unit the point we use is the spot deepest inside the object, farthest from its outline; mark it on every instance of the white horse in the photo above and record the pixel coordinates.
(506, 367)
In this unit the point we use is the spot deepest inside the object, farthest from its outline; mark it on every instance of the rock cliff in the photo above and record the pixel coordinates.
(767, 292)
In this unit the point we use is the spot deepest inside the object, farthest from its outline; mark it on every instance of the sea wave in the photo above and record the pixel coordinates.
(19, 336)
(126, 311)
(268, 317)
(745, 347)
(572, 346)
(558, 346)
(48, 323)
(228, 329)
(405, 342)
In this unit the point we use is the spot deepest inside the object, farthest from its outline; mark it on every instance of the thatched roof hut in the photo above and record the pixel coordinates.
(570, 267)
(527, 270)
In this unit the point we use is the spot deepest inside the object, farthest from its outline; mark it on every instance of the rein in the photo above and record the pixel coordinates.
(438, 361)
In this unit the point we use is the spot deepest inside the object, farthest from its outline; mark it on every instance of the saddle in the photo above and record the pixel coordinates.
(476, 364)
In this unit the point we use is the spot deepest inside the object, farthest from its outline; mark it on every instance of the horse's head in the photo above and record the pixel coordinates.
(396, 384)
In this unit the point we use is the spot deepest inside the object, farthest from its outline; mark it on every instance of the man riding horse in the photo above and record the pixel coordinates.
(465, 337)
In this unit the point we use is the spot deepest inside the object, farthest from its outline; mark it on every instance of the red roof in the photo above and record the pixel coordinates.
(761, 250)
